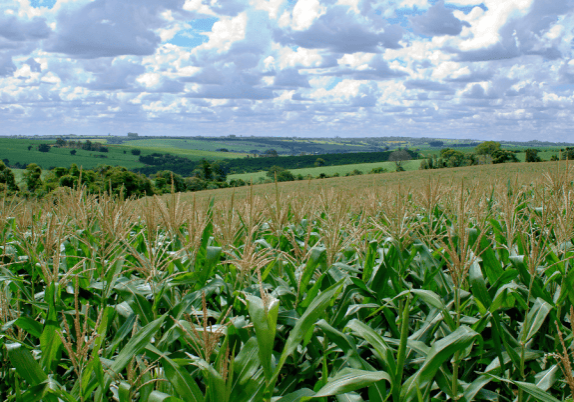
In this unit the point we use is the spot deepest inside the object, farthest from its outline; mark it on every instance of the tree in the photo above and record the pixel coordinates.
(60, 142)
(271, 152)
(44, 148)
(320, 162)
(165, 180)
(7, 179)
(487, 148)
(219, 171)
(399, 156)
(503, 155)
(532, 155)
(436, 143)
(280, 174)
(30, 147)
(568, 153)
(33, 177)
(73, 152)
(136, 152)
(205, 170)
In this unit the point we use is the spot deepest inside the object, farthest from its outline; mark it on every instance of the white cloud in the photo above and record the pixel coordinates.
(305, 12)
(224, 33)
(306, 67)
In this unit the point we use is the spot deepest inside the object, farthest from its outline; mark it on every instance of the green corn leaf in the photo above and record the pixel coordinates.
(264, 320)
(157, 396)
(536, 317)
(439, 352)
(348, 380)
(531, 389)
(547, 378)
(50, 341)
(24, 362)
(478, 286)
(317, 258)
(246, 365)
(385, 353)
(181, 380)
(29, 325)
(298, 396)
(304, 325)
(134, 346)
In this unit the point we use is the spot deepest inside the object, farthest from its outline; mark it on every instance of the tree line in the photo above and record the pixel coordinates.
(115, 180)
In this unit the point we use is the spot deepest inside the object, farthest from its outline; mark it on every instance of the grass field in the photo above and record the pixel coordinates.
(331, 170)
(179, 147)
(243, 147)
(451, 284)
(16, 150)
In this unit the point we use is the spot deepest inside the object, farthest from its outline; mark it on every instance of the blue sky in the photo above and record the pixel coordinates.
(488, 69)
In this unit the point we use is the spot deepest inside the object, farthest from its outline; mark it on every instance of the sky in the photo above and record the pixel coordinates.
(478, 69)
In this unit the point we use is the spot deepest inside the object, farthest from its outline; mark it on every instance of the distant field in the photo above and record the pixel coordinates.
(16, 150)
(331, 170)
(241, 146)
(186, 148)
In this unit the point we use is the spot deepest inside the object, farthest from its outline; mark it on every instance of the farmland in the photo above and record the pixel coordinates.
(331, 170)
(413, 286)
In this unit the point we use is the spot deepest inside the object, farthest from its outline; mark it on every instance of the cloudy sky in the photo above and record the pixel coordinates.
(496, 69)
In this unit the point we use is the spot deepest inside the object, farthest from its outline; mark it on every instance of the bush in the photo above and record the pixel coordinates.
(136, 152)
(7, 179)
(532, 155)
(44, 148)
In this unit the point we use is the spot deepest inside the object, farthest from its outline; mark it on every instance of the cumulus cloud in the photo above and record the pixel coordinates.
(15, 30)
(114, 76)
(291, 77)
(339, 32)
(109, 28)
(438, 21)
(291, 67)
(34, 65)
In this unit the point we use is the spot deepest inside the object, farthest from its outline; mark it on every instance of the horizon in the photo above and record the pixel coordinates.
(448, 69)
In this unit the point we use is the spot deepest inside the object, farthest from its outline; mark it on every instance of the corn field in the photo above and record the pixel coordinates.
(437, 291)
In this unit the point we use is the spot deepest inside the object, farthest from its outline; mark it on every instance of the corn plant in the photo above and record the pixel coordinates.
(460, 290)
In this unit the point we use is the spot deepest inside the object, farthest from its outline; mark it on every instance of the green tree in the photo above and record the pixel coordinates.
(532, 155)
(73, 152)
(33, 177)
(44, 148)
(319, 162)
(165, 179)
(195, 183)
(7, 179)
(487, 148)
(219, 171)
(205, 170)
(399, 156)
(280, 174)
(271, 152)
(503, 155)
(119, 180)
(452, 158)
(136, 152)
(568, 153)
